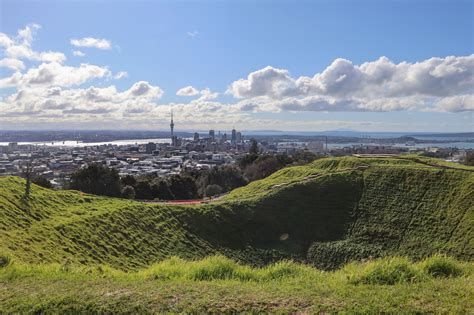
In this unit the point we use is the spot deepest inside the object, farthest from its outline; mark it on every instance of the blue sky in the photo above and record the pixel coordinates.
(212, 44)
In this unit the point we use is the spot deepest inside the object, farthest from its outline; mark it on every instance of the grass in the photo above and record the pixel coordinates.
(218, 284)
(253, 250)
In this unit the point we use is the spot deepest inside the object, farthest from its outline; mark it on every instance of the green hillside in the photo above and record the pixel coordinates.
(328, 212)
(325, 214)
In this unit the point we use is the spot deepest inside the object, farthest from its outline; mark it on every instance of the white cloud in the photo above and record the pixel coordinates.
(52, 92)
(205, 94)
(12, 63)
(187, 91)
(458, 103)
(99, 43)
(19, 47)
(78, 53)
(120, 75)
(55, 74)
(380, 85)
(192, 33)
(146, 90)
(269, 81)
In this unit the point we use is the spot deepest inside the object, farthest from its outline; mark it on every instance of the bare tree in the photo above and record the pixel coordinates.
(27, 172)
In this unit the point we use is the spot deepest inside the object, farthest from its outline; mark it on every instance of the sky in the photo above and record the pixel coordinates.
(253, 65)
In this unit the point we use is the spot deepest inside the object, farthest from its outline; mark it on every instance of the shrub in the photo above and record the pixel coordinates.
(441, 266)
(388, 271)
(4, 261)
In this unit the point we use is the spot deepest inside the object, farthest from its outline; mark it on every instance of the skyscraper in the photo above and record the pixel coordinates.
(234, 136)
(211, 134)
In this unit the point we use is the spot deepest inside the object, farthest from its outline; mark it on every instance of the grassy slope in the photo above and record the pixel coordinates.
(333, 211)
(217, 284)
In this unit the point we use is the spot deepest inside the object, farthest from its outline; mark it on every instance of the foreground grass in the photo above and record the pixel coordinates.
(218, 284)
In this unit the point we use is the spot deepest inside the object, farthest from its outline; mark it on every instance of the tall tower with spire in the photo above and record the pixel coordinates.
(173, 138)
(172, 124)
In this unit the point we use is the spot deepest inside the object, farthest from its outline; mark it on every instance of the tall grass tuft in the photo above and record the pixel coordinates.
(388, 271)
(439, 266)
(219, 268)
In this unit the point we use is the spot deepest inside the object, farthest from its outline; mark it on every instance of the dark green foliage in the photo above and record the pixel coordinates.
(253, 150)
(98, 180)
(42, 181)
(469, 160)
(144, 190)
(128, 192)
(182, 187)
(128, 180)
(4, 261)
(212, 190)
(227, 177)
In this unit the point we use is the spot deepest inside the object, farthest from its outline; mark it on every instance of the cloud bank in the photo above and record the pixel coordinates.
(40, 87)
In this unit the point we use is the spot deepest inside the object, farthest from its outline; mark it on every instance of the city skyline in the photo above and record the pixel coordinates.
(380, 68)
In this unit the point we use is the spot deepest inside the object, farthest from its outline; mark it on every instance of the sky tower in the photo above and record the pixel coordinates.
(173, 138)
(172, 125)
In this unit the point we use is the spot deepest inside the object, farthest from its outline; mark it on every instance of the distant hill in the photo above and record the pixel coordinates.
(327, 213)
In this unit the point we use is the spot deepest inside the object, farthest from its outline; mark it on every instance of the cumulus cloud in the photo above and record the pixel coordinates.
(78, 53)
(12, 63)
(205, 94)
(380, 85)
(187, 91)
(55, 74)
(51, 91)
(92, 42)
(19, 47)
(458, 103)
(145, 89)
(269, 81)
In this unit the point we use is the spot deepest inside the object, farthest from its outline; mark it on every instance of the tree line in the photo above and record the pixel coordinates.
(98, 179)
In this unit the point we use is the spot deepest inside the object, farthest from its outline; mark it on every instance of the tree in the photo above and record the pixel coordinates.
(97, 179)
(42, 181)
(128, 192)
(143, 190)
(212, 190)
(262, 167)
(253, 147)
(163, 190)
(182, 187)
(469, 159)
(227, 177)
(27, 172)
(128, 180)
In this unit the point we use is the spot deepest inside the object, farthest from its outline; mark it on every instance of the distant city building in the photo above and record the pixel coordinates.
(239, 137)
(150, 147)
(196, 136)
(12, 146)
(211, 134)
(316, 146)
(234, 136)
